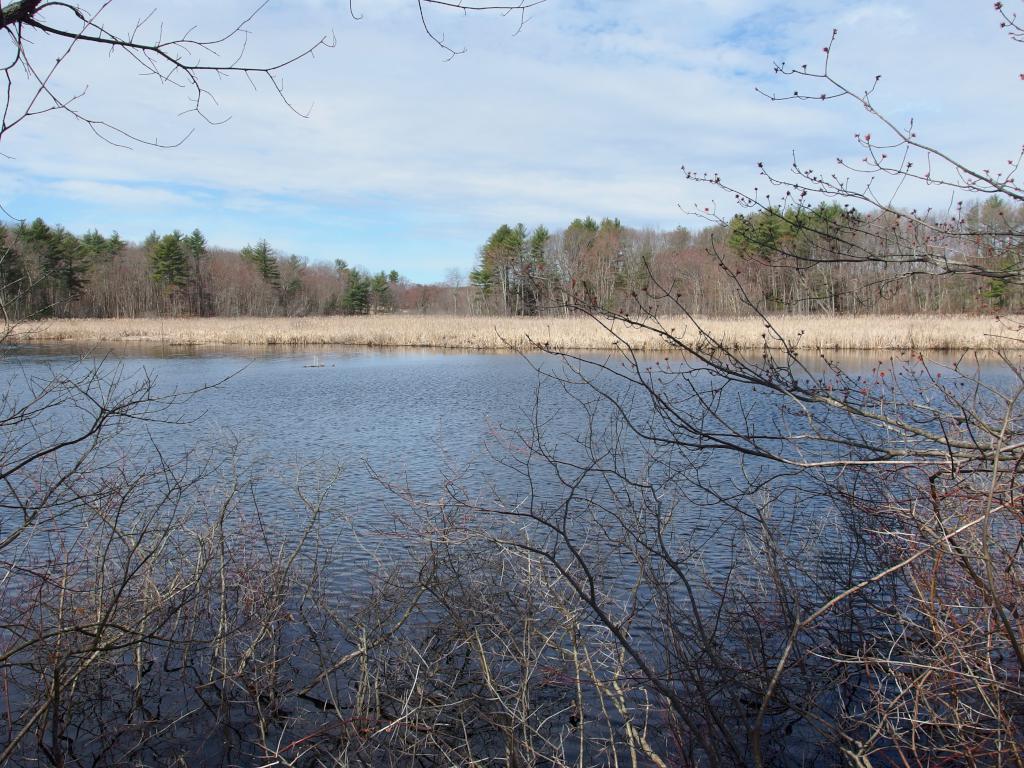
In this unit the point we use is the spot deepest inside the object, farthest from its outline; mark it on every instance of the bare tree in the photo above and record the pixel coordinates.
(187, 61)
(146, 602)
(518, 10)
(801, 559)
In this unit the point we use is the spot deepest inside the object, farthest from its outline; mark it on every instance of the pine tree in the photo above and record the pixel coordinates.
(196, 252)
(357, 295)
(379, 286)
(482, 276)
(263, 257)
(169, 261)
(67, 264)
(95, 245)
(195, 246)
(293, 285)
(115, 245)
(150, 243)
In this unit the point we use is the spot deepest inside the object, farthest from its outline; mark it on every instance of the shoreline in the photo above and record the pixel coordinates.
(807, 332)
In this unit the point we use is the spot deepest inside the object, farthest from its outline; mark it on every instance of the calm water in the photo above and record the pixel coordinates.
(364, 419)
(410, 418)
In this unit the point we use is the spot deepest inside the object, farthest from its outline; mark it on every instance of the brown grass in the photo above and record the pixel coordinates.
(919, 332)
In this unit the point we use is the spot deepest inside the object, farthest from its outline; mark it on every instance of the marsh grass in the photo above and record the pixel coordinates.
(865, 332)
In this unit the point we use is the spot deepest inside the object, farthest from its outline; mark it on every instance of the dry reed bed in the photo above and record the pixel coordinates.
(919, 332)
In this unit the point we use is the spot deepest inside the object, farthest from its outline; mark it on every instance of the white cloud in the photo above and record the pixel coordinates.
(590, 109)
(117, 194)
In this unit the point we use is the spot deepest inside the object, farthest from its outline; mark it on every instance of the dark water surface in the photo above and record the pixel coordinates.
(366, 424)
(408, 417)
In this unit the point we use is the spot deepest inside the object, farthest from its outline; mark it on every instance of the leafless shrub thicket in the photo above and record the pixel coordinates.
(153, 614)
(149, 613)
(806, 562)
(777, 559)
(742, 560)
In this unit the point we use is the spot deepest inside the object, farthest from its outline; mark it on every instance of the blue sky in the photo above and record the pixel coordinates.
(409, 161)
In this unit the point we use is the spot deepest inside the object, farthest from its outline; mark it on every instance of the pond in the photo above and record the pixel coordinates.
(370, 418)
(384, 431)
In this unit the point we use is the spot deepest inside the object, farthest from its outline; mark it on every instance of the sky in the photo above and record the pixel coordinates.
(409, 158)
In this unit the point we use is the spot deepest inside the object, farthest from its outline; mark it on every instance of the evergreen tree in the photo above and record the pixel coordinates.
(150, 243)
(100, 248)
(510, 267)
(584, 225)
(293, 286)
(95, 245)
(169, 260)
(38, 233)
(115, 245)
(196, 253)
(538, 241)
(379, 289)
(357, 295)
(482, 275)
(67, 264)
(195, 246)
(265, 260)
(500, 259)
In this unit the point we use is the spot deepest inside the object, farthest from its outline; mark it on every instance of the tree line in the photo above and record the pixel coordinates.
(780, 259)
(48, 271)
(772, 259)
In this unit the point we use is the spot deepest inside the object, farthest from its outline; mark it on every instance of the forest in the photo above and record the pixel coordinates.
(773, 259)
